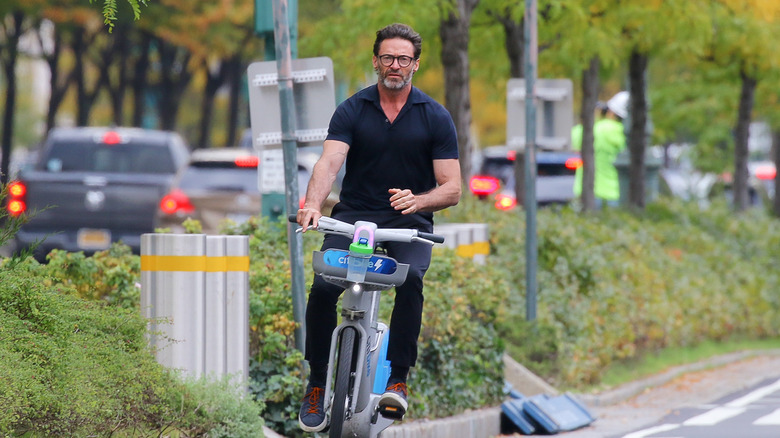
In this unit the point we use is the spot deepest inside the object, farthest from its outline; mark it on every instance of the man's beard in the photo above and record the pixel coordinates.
(394, 84)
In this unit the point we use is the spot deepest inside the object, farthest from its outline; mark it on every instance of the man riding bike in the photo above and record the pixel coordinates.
(401, 154)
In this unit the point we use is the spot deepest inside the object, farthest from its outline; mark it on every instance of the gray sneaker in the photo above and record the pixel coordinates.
(393, 402)
(312, 416)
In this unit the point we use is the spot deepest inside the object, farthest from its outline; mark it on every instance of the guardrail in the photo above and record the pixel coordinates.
(195, 295)
(467, 239)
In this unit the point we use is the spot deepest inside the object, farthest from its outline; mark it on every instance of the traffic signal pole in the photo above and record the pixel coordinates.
(290, 150)
(531, 252)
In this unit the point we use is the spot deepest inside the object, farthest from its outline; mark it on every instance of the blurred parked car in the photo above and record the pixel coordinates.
(496, 176)
(221, 184)
(91, 186)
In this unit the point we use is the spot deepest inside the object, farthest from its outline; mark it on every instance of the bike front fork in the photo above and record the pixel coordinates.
(361, 372)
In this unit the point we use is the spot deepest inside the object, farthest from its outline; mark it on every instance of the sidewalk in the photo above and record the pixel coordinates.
(637, 404)
(640, 403)
(619, 410)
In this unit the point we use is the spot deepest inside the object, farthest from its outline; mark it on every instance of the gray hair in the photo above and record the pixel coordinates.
(399, 30)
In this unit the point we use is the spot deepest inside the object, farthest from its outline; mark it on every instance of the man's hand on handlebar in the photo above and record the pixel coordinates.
(308, 216)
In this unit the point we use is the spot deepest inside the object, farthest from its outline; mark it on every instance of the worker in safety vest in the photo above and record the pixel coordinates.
(609, 139)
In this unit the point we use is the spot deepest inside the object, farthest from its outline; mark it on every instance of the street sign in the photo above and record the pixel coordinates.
(554, 114)
(314, 97)
(272, 174)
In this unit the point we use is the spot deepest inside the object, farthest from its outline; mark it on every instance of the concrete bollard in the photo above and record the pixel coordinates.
(195, 294)
(468, 239)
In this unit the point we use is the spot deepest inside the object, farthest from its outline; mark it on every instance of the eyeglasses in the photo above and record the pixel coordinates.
(403, 60)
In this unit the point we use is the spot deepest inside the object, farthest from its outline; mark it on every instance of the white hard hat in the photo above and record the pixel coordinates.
(618, 104)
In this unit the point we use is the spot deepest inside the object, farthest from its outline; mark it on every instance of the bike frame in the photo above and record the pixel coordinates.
(360, 326)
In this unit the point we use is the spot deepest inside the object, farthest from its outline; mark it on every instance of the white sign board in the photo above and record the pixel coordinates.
(313, 93)
(554, 114)
(271, 171)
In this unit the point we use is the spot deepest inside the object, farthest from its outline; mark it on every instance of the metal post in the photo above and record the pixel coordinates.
(289, 147)
(531, 52)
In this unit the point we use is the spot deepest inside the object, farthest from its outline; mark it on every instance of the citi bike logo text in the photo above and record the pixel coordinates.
(374, 265)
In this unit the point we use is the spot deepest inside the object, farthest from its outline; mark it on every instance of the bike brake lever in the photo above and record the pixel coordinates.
(422, 240)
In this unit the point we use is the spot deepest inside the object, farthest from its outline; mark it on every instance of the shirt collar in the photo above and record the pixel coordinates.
(372, 94)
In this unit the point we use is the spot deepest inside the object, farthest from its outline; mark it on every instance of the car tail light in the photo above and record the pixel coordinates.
(16, 207)
(17, 189)
(766, 172)
(176, 202)
(247, 161)
(505, 202)
(511, 155)
(483, 185)
(112, 137)
(17, 204)
(573, 163)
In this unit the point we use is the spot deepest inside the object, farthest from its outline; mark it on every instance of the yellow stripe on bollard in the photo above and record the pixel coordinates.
(472, 249)
(194, 263)
(227, 264)
(481, 248)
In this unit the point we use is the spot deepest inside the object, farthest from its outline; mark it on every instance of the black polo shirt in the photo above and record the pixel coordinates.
(384, 155)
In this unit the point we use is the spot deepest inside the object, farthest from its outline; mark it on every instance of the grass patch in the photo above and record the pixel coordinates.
(626, 371)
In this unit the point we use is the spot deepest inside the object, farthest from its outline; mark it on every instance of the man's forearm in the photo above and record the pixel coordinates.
(441, 197)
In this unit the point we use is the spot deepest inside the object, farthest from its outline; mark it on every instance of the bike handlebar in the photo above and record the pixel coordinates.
(329, 225)
(435, 238)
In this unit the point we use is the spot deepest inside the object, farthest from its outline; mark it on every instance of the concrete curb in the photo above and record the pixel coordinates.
(631, 389)
(472, 424)
(268, 433)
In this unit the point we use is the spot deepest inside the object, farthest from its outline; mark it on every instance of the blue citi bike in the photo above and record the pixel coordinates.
(357, 367)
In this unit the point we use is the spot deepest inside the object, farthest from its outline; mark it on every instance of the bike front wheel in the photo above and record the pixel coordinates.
(343, 382)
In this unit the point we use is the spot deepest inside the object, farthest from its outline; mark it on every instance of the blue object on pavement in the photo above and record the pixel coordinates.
(513, 410)
(557, 414)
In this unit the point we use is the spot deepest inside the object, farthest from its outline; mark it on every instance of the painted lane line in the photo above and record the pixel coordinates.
(713, 417)
(772, 419)
(757, 394)
(652, 430)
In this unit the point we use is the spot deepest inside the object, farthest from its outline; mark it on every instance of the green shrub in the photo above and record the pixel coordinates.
(612, 286)
(75, 367)
(460, 364)
(276, 366)
(615, 285)
(112, 275)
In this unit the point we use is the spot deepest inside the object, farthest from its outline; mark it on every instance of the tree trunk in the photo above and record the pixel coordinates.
(454, 32)
(513, 41)
(174, 79)
(85, 97)
(213, 82)
(116, 55)
(741, 133)
(637, 134)
(140, 81)
(590, 93)
(57, 83)
(235, 77)
(13, 31)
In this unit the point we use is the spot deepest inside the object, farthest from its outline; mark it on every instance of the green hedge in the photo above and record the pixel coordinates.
(76, 367)
(615, 285)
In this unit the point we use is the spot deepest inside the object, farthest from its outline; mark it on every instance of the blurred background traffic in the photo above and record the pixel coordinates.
(703, 76)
